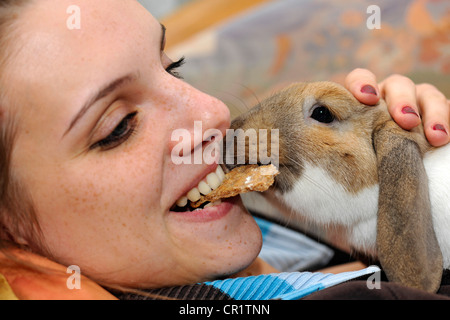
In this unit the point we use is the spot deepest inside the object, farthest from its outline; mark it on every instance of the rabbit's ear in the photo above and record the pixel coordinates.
(406, 243)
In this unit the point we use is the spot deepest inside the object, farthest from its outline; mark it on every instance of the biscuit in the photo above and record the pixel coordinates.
(240, 180)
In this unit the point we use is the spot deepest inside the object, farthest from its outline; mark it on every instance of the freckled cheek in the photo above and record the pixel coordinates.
(105, 201)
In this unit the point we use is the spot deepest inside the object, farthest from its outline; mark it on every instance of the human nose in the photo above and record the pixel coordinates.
(201, 120)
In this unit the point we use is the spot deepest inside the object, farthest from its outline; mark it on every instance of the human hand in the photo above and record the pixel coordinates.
(409, 104)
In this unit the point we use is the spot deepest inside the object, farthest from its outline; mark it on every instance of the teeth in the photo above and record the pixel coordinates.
(193, 195)
(213, 204)
(204, 188)
(213, 181)
(220, 173)
(182, 202)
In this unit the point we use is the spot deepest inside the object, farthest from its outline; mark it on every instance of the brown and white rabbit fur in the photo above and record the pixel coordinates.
(347, 164)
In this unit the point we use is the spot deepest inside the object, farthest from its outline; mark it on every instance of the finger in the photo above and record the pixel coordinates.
(363, 85)
(400, 95)
(435, 114)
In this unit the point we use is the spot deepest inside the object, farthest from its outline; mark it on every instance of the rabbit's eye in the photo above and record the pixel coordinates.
(322, 114)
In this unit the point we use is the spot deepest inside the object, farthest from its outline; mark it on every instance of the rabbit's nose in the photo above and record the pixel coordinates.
(251, 146)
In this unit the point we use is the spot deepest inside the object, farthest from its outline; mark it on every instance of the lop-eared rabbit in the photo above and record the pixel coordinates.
(344, 163)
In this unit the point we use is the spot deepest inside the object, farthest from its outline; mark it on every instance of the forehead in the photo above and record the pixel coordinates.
(55, 63)
(47, 38)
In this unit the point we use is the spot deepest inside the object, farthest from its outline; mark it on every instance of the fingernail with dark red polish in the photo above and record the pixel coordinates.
(369, 90)
(409, 110)
(440, 127)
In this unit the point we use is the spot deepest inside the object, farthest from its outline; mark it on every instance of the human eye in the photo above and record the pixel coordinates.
(172, 68)
(120, 134)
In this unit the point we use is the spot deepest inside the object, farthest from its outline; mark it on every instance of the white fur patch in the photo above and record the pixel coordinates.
(437, 165)
(319, 198)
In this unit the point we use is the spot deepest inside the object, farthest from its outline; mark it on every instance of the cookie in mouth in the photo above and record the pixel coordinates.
(241, 180)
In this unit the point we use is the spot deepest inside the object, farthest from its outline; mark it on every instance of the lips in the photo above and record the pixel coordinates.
(211, 182)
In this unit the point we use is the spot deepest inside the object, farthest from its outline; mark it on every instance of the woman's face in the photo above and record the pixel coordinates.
(96, 109)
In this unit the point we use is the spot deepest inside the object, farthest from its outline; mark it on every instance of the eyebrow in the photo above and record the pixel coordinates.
(111, 87)
(105, 91)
